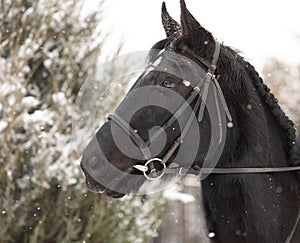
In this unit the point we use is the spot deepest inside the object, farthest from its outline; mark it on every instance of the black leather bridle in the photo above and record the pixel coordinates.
(198, 94)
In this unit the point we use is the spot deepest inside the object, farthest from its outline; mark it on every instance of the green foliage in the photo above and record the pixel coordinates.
(47, 50)
(58, 215)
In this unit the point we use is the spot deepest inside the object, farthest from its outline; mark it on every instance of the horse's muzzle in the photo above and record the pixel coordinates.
(97, 170)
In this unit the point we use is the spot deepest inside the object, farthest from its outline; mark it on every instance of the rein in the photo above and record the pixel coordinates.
(199, 94)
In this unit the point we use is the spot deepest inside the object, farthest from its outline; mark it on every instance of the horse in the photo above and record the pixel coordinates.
(251, 189)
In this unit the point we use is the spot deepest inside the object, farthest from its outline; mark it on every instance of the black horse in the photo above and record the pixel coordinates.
(240, 205)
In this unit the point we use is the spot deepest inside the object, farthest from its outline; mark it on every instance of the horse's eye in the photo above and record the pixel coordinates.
(168, 84)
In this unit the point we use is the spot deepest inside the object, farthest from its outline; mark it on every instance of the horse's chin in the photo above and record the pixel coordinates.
(118, 187)
(114, 194)
(95, 187)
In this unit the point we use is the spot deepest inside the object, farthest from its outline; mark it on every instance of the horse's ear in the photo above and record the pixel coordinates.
(170, 25)
(191, 29)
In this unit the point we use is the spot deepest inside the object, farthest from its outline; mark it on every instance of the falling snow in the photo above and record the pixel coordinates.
(230, 125)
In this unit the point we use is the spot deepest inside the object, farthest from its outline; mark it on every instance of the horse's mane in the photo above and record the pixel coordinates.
(281, 118)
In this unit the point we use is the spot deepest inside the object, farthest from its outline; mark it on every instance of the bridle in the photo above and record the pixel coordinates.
(198, 94)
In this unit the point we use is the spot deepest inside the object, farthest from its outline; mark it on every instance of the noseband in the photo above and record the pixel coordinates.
(199, 95)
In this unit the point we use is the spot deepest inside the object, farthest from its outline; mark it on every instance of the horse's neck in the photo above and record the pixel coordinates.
(258, 140)
(239, 205)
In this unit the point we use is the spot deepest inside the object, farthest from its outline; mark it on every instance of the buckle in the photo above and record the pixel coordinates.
(150, 171)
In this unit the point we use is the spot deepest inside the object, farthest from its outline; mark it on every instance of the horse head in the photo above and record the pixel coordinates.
(192, 86)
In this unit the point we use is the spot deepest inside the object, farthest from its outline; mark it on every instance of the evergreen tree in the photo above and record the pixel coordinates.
(47, 49)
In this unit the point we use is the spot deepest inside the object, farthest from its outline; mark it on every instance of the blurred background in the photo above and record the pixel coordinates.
(48, 48)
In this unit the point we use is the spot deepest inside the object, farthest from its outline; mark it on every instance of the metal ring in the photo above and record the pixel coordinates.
(162, 173)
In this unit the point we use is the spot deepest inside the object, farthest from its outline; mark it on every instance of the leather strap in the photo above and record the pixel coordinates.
(246, 170)
(131, 133)
(210, 77)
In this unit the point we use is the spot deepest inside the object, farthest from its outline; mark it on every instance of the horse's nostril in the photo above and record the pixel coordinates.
(93, 162)
(95, 166)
